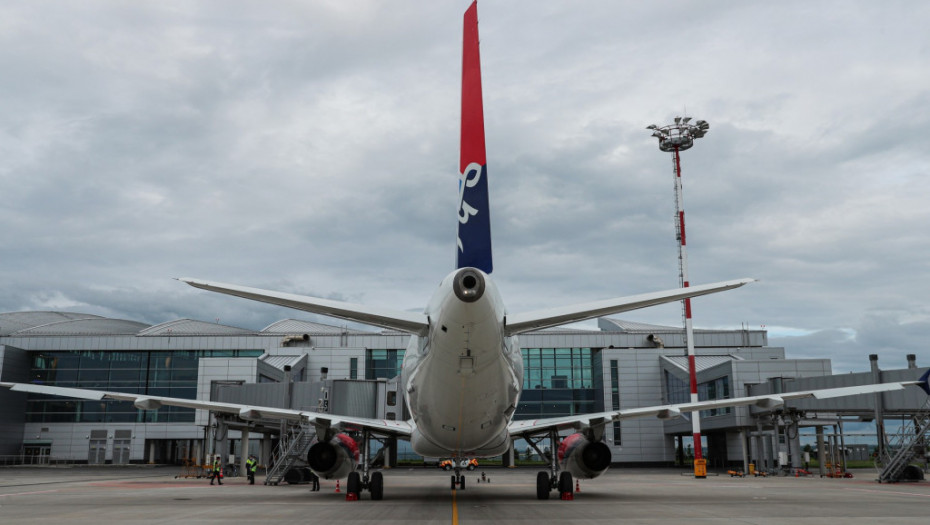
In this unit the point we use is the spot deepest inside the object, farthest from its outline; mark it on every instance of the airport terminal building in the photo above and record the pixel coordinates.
(567, 371)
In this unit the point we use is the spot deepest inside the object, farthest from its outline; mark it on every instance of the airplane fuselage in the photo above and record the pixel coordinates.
(463, 379)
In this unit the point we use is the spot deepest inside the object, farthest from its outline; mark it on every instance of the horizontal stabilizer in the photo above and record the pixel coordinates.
(540, 319)
(409, 322)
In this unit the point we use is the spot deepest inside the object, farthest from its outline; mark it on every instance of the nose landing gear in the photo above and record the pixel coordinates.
(458, 479)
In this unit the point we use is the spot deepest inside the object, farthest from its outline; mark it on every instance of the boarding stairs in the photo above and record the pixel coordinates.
(291, 452)
(903, 448)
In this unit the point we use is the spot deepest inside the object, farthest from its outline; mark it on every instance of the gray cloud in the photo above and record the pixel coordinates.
(312, 147)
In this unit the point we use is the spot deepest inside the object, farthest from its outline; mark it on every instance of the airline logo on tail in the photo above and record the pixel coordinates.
(474, 229)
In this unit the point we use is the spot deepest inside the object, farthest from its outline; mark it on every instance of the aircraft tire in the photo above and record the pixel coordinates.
(453, 482)
(565, 482)
(354, 483)
(462, 482)
(376, 486)
(542, 485)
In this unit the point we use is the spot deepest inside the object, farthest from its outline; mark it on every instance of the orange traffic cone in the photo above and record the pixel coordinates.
(337, 485)
(577, 486)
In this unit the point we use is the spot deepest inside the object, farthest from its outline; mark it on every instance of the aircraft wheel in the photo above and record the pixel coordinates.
(462, 482)
(376, 486)
(565, 483)
(354, 483)
(453, 482)
(542, 485)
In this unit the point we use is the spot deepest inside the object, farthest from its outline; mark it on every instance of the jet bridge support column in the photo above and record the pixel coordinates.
(843, 444)
(508, 457)
(879, 407)
(744, 441)
(244, 448)
(763, 447)
(221, 446)
(390, 459)
(266, 451)
(821, 451)
(793, 441)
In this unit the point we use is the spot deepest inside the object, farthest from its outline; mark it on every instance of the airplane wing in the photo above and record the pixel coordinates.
(409, 322)
(247, 412)
(535, 426)
(539, 319)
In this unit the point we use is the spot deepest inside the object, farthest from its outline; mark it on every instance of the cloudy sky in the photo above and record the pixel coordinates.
(312, 147)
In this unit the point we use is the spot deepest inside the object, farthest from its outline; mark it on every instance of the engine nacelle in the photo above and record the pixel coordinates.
(335, 458)
(583, 458)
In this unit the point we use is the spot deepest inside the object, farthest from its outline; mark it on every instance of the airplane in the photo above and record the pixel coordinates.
(462, 373)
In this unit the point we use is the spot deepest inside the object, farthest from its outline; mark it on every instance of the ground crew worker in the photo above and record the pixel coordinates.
(316, 482)
(250, 465)
(217, 471)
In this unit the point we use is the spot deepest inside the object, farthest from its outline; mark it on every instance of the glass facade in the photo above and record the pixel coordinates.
(157, 373)
(679, 392)
(560, 382)
(383, 364)
(615, 398)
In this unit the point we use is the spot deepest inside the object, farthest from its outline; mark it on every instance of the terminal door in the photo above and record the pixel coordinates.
(97, 447)
(122, 442)
(36, 454)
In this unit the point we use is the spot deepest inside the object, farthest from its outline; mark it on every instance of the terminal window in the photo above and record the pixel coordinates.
(159, 373)
(560, 382)
(383, 364)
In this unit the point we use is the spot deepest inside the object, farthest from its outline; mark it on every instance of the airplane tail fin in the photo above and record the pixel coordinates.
(923, 382)
(474, 228)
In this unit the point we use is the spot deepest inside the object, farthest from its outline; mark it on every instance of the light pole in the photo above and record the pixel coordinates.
(676, 138)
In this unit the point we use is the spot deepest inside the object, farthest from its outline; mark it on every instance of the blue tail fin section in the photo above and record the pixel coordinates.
(923, 382)
(474, 231)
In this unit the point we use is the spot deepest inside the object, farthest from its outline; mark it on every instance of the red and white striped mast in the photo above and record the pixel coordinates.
(676, 138)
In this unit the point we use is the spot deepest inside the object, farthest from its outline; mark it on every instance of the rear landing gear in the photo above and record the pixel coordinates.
(357, 483)
(565, 484)
(546, 482)
(543, 486)
(376, 486)
(353, 485)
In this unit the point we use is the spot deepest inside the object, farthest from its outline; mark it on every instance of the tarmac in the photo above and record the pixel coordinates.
(142, 494)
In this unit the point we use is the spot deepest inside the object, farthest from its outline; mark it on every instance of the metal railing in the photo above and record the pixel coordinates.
(291, 452)
(909, 443)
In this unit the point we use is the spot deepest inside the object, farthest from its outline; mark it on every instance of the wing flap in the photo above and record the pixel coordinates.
(409, 322)
(540, 319)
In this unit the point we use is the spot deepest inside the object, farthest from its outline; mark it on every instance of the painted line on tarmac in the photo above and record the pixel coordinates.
(28, 493)
(923, 495)
(455, 510)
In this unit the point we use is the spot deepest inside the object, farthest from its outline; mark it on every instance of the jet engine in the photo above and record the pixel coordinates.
(583, 458)
(335, 458)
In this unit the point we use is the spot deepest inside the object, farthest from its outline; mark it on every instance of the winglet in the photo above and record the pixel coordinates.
(923, 382)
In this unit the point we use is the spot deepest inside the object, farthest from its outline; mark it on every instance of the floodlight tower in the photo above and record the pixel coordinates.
(676, 138)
